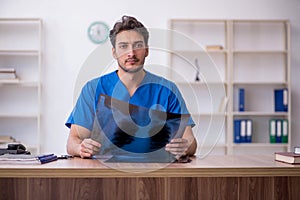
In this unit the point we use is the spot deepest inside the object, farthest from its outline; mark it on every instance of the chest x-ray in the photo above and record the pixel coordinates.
(133, 133)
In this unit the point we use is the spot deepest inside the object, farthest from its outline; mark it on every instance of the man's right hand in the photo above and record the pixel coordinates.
(88, 147)
(80, 143)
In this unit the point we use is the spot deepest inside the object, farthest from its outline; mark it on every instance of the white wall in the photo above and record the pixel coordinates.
(66, 45)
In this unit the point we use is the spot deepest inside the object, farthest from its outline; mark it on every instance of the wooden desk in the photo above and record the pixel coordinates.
(214, 177)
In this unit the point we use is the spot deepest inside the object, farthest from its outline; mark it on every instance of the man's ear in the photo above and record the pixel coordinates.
(113, 50)
(147, 52)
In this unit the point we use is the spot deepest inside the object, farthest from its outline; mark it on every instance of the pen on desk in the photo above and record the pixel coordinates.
(44, 156)
(48, 159)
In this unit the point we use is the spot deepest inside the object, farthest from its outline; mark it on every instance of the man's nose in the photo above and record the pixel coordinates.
(131, 51)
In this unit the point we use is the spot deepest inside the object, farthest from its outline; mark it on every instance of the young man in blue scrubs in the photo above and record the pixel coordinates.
(132, 84)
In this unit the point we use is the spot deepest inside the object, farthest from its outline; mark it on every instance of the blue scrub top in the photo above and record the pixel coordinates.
(154, 92)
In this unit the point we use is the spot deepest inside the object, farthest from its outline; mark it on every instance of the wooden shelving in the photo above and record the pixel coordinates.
(20, 48)
(254, 55)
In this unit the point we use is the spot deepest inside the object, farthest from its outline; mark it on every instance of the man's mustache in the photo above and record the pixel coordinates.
(134, 59)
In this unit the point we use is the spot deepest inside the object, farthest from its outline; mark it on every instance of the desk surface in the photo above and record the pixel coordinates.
(210, 166)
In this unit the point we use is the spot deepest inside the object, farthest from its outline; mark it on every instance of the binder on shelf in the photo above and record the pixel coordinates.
(241, 99)
(7, 73)
(272, 130)
(249, 131)
(281, 100)
(285, 131)
(278, 131)
(237, 130)
(243, 130)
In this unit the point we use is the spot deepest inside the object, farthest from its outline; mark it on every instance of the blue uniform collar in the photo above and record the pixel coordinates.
(120, 91)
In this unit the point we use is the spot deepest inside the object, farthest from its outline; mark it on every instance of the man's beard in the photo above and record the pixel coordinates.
(131, 70)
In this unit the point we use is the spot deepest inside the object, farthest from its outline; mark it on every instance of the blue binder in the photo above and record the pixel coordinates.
(237, 131)
(241, 99)
(278, 131)
(243, 132)
(281, 100)
(248, 131)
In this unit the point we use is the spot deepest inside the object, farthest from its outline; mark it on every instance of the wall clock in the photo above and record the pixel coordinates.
(98, 32)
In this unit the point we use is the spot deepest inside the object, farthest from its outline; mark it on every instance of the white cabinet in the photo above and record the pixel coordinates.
(232, 54)
(20, 49)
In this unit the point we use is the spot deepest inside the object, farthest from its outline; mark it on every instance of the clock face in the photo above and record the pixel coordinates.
(98, 32)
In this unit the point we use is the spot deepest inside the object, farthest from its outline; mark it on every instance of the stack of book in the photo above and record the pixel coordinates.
(289, 157)
(8, 74)
(27, 159)
(214, 47)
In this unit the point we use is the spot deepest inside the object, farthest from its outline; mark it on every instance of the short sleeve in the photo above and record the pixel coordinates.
(177, 103)
(83, 113)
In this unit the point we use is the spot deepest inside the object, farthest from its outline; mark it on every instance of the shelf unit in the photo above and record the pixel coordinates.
(254, 55)
(20, 48)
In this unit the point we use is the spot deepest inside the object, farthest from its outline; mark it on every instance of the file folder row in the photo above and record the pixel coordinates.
(278, 130)
(280, 100)
(242, 130)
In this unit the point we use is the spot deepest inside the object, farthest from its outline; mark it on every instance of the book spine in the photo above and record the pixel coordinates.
(243, 131)
(278, 131)
(297, 150)
(284, 131)
(272, 130)
(7, 70)
(281, 100)
(249, 131)
(241, 99)
(237, 130)
(285, 99)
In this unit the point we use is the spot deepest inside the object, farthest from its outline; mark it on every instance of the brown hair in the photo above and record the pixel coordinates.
(128, 23)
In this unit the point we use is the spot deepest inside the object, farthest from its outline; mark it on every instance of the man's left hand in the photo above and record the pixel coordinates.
(178, 147)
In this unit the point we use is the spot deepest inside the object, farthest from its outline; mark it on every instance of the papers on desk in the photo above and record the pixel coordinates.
(26, 159)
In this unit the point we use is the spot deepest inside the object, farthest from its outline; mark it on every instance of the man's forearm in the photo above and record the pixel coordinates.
(76, 136)
(73, 146)
(192, 148)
